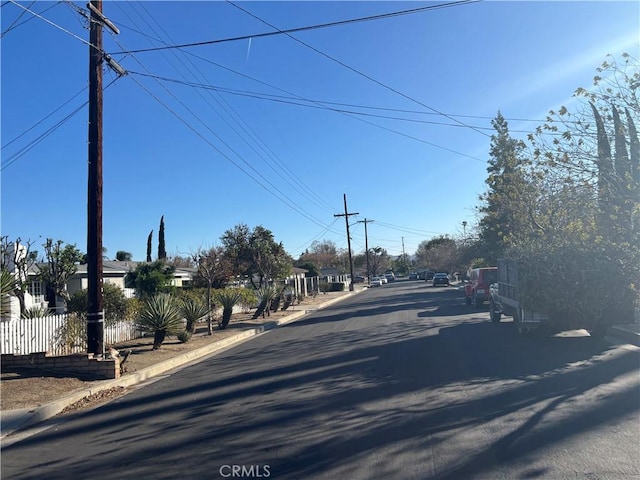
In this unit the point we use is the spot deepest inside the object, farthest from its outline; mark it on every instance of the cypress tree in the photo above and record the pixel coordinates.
(149, 238)
(162, 252)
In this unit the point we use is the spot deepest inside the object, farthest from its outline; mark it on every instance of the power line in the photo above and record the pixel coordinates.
(301, 29)
(377, 82)
(251, 134)
(53, 24)
(14, 25)
(27, 148)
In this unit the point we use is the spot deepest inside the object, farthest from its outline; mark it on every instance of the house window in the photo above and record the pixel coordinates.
(35, 290)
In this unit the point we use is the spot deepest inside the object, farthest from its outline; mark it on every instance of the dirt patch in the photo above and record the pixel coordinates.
(30, 388)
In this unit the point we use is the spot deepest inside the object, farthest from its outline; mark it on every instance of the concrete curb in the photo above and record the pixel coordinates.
(13, 421)
(629, 335)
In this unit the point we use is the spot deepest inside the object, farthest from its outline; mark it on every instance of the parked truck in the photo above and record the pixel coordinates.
(505, 298)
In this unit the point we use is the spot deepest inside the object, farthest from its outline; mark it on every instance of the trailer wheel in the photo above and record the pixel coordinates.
(518, 317)
(494, 313)
(599, 331)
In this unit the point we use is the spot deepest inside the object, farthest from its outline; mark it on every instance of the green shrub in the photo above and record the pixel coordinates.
(114, 303)
(184, 336)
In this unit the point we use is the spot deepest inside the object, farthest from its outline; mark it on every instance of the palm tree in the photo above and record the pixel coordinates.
(193, 310)
(228, 298)
(161, 316)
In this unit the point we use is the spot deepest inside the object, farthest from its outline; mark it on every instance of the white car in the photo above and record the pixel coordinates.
(375, 282)
(383, 279)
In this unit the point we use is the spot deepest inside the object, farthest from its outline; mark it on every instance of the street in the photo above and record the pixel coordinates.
(403, 381)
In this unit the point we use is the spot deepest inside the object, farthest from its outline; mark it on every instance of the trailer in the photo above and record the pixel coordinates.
(505, 299)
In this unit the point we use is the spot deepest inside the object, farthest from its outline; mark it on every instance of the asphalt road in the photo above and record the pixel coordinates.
(399, 382)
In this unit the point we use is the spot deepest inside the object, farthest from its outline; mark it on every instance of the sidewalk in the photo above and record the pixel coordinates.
(15, 424)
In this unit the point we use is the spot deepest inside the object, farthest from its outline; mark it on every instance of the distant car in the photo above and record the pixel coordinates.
(383, 279)
(375, 282)
(413, 276)
(358, 279)
(390, 277)
(428, 276)
(440, 279)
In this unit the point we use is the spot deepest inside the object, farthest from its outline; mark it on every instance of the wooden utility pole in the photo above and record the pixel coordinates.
(366, 247)
(346, 219)
(95, 315)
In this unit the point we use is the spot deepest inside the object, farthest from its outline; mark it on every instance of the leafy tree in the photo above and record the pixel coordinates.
(17, 258)
(150, 279)
(162, 251)
(149, 240)
(122, 256)
(323, 254)
(378, 261)
(255, 253)
(114, 302)
(181, 262)
(60, 264)
(312, 269)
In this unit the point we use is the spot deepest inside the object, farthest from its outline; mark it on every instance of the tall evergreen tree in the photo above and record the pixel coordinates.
(505, 211)
(149, 240)
(162, 251)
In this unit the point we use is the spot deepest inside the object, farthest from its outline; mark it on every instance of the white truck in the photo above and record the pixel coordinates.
(505, 299)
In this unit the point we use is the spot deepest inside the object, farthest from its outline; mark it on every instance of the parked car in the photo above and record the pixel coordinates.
(413, 276)
(383, 279)
(428, 276)
(375, 282)
(476, 291)
(358, 279)
(440, 279)
(390, 277)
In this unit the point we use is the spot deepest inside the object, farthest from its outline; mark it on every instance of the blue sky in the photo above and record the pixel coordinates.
(272, 140)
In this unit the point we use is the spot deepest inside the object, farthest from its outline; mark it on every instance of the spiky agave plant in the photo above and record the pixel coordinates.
(193, 310)
(228, 298)
(7, 287)
(265, 295)
(161, 316)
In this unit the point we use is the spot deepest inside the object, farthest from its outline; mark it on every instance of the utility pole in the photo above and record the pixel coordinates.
(404, 258)
(366, 246)
(346, 219)
(95, 315)
(95, 311)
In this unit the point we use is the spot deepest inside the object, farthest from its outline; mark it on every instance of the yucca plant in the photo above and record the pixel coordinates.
(161, 316)
(228, 298)
(37, 311)
(7, 287)
(265, 295)
(193, 310)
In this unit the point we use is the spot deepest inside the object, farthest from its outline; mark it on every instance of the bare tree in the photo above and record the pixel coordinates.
(17, 258)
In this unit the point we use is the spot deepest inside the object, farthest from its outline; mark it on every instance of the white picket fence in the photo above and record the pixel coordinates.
(23, 336)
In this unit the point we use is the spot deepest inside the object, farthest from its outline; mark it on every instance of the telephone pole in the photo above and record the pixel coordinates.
(366, 246)
(346, 216)
(95, 312)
